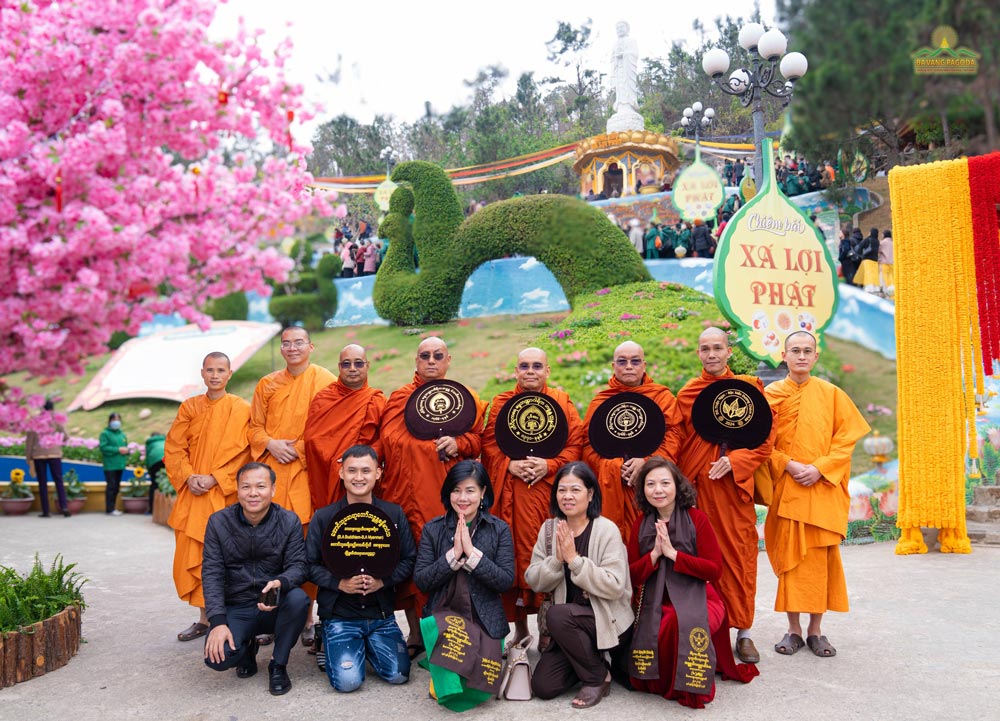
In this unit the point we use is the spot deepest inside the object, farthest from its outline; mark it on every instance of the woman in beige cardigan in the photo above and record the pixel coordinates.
(584, 564)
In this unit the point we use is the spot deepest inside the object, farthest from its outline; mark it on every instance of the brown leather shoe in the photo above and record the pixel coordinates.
(589, 696)
(746, 651)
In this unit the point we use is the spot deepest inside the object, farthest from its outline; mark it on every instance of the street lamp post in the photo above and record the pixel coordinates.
(696, 117)
(767, 52)
(386, 155)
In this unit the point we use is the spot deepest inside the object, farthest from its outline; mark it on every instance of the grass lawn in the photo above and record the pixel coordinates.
(483, 352)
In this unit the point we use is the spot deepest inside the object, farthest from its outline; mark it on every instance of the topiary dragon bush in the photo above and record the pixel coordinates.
(576, 242)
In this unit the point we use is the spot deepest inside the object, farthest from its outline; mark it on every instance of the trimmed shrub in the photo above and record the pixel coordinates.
(576, 242)
(229, 307)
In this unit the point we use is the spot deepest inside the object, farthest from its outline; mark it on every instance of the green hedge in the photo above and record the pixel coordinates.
(575, 241)
(313, 297)
(229, 307)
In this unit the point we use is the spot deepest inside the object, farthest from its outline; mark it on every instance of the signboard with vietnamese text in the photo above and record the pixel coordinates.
(698, 190)
(774, 274)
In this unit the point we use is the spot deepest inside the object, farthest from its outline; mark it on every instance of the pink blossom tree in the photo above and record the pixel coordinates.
(143, 169)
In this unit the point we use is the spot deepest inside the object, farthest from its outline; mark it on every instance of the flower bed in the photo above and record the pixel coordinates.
(40, 620)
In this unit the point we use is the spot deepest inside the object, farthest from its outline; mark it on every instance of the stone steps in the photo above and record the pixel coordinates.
(986, 534)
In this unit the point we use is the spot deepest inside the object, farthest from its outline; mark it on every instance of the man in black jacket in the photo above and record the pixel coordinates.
(252, 548)
(357, 613)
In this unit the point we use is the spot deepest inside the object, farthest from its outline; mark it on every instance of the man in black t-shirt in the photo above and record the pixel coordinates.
(357, 613)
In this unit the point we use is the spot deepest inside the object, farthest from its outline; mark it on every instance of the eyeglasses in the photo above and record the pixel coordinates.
(426, 355)
(531, 366)
(346, 365)
(299, 344)
(625, 362)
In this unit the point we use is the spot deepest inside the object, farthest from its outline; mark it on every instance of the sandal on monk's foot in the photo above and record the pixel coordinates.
(820, 646)
(790, 644)
(591, 695)
(195, 630)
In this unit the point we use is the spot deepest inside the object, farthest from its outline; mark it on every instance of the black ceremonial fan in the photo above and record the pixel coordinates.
(531, 424)
(732, 413)
(627, 425)
(361, 538)
(440, 408)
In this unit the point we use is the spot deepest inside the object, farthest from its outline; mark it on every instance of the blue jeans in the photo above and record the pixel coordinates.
(347, 644)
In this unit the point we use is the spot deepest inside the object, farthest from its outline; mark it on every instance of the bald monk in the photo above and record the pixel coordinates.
(206, 445)
(628, 366)
(523, 486)
(725, 486)
(277, 426)
(344, 414)
(817, 426)
(414, 470)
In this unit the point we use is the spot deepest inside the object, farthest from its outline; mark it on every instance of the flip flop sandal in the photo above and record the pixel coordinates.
(195, 630)
(414, 650)
(790, 644)
(265, 639)
(821, 647)
(591, 695)
(308, 635)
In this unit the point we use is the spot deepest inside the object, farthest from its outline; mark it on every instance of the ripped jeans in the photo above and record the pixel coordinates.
(348, 643)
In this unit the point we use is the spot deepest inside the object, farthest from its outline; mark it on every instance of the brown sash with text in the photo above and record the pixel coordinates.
(462, 646)
(695, 653)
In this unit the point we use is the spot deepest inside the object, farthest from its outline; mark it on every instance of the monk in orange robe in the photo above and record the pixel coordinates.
(346, 413)
(206, 445)
(277, 426)
(523, 487)
(725, 486)
(628, 366)
(414, 470)
(817, 426)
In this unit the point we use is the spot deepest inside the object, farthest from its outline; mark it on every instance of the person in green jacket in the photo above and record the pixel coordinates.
(684, 240)
(114, 452)
(154, 463)
(652, 235)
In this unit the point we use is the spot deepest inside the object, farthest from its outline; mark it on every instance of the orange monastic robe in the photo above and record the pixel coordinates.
(522, 507)
(413, 472)
(339, 417)
(279, 409)
(618, 500)
(728, 501)
(207, 437)
(816, 424)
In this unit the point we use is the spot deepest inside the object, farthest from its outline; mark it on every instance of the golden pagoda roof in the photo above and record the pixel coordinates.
(640, 142)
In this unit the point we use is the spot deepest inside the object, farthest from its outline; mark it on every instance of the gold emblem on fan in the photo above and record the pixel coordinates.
(626, 420)
(532, 420)
(733, 408)
(441, 405)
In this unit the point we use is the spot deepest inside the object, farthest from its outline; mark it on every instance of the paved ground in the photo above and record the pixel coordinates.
(919, 643)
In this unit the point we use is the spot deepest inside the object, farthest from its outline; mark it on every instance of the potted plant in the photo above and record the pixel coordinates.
(164, 498)
(17, 498)
(76, 492)
(135, 497)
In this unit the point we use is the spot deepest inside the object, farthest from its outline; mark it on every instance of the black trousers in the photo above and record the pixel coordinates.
(285, 622)
(43, 468)
(113, 481)
(573, 655)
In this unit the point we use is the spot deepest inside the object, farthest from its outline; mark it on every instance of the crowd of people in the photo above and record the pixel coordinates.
(867, 261)
(361, 256)
(642, 562)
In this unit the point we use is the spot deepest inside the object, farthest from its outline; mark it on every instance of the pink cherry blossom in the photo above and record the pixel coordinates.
(144, 168)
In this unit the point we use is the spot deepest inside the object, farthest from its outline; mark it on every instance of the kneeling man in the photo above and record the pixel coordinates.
(357, 612)
(254, 562)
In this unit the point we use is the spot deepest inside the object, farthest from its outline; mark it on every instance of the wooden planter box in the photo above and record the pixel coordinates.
(162, 506)
(39, 648)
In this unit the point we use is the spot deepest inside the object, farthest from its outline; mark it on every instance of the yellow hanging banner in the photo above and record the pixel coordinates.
(774, 275)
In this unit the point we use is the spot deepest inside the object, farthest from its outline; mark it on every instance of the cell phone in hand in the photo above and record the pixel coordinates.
(271, 598)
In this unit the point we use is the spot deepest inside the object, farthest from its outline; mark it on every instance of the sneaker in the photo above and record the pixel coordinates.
(248, 667)
(115, 512)
(279, 683)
